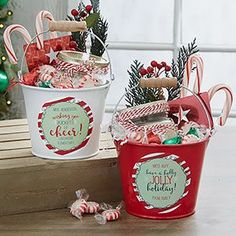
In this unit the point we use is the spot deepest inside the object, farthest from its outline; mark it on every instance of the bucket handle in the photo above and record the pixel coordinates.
(159, 86)
(68, 26)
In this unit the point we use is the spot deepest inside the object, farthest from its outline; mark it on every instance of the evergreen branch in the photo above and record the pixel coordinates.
(178, 67)
(99, 29)
(95, 4)
(135, 95)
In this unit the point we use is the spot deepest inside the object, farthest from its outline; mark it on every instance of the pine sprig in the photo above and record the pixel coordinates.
(178, 67)
(135, 95)
(79, 37)
(95, 5)
(100, 29)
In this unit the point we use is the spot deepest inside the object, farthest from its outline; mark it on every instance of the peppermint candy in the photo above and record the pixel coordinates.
(111, 214)
(92, 207)
(78, 208)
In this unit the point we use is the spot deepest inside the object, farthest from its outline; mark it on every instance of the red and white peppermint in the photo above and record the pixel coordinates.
(92, 207)
(112, 214)
(39, 27)
(136, 136)
(78, 208)
(228, 101)
(197, 60)
(7, 40)
(190, 138)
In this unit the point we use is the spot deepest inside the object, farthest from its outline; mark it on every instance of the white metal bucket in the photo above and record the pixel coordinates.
(65, 123)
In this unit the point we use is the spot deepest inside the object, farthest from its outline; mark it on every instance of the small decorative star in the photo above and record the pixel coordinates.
(52, 55)
(182, 115)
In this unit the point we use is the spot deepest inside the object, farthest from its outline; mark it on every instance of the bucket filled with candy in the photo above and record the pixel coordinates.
(161, 146)
(64, 89)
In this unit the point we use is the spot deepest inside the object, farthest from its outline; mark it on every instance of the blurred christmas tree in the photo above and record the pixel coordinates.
(7, 70)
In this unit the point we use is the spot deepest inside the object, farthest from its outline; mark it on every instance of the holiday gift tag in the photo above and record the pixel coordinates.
(160, 182)
(65, 125)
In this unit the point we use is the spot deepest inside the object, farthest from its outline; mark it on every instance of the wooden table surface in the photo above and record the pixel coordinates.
(215, 213)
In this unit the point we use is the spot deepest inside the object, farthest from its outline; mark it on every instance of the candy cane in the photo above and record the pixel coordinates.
(7, 40)
(197, 60)
(228, 102)
(39, 27)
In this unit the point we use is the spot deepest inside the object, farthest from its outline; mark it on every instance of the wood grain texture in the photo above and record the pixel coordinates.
(29, 183)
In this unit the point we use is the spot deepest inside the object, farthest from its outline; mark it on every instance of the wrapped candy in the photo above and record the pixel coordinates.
(92, 207)
(78, 207)
(108, 214)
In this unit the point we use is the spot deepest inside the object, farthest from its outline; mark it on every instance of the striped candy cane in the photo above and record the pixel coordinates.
(7, 40)
(228, 102)
(197, 60)
(39, 27)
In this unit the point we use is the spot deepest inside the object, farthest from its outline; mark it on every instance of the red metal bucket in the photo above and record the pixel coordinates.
(161, 182)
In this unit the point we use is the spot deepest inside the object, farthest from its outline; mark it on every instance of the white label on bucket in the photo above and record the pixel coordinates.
(160, 182)
(65, 125)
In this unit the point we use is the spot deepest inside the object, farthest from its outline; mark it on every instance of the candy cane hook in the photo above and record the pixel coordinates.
(7, 40)
(39, 27)
(197, 60)
(228, 101)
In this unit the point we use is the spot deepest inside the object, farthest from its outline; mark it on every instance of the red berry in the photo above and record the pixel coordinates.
(154, 63)
(143, 71)
(73, 44)
(163, 63)
(167, 68)
(150, 70)
(159, 66)
(88, 8)
(83, 14)
(74, 12)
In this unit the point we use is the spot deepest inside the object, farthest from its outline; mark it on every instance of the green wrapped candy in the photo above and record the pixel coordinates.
(193, 131)
(44, 84)
(171, 141)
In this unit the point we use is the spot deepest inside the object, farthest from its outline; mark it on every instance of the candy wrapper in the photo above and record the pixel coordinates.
(79, 207)
(108, 213)
(82, 206)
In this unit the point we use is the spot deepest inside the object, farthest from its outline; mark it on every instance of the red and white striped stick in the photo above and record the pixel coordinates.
(228, 101)
(42, 15)
(7, 40)
(197, 60)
